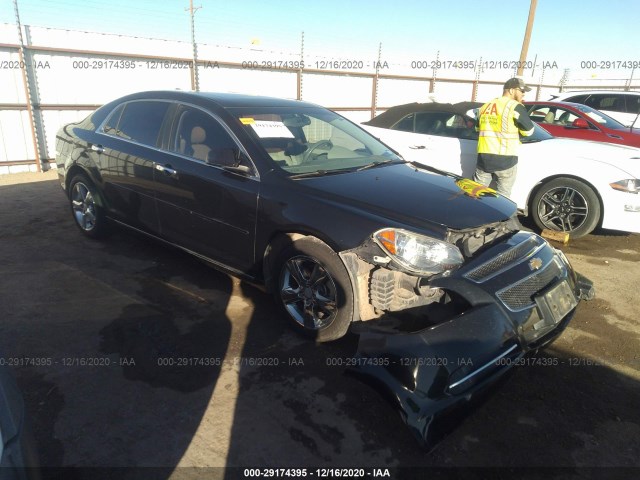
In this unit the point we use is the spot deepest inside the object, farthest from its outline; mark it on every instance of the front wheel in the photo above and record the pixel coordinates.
(566, 205)
(314, 289)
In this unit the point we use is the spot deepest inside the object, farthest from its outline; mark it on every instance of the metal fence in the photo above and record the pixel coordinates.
(51, 77)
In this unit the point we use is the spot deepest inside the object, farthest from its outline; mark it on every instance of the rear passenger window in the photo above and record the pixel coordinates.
(540, 113)
(633, 104)
(578, 99)
(140, 122)
(614, 103)
(111, 125)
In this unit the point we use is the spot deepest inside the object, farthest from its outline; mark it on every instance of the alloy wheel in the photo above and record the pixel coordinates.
(308, 292)
(563, 208)
(84, 207)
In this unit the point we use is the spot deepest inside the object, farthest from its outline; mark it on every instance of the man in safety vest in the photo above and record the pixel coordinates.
(500, 124)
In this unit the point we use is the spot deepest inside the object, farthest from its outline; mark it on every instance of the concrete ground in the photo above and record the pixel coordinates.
(131, 354)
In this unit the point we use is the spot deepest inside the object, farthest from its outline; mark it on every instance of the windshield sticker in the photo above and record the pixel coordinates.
(266, 129)
(247, 121)
(475, 189)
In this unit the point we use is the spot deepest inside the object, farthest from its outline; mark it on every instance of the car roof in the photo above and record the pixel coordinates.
(555, 102)
(591, 92)
(394, 114)
(223, 100)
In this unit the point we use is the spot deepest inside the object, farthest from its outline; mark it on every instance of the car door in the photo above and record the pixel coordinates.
(126, 149)
(559, 121)
(202, 205)
(452, 141)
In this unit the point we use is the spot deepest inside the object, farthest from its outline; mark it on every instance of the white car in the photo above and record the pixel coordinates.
(620, 105)
(562, 184)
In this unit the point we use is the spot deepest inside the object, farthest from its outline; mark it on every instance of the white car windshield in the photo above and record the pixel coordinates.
(600, 118)
(539, 134)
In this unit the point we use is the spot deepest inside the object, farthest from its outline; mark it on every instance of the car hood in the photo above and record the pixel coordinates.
(624, 157)
(408, 194)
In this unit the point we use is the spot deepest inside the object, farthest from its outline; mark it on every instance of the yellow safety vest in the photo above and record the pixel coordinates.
(498, 133)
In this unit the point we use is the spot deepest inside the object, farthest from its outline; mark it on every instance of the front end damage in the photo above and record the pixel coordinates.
(433, 343)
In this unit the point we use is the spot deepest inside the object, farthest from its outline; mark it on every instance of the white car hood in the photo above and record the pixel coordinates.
(627, 159)
(621, 156)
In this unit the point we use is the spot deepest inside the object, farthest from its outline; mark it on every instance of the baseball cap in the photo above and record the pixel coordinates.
(516, 83)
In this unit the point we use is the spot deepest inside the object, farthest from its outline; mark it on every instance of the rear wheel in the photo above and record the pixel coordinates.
(87, 213)
(566, 205)
(314, 289)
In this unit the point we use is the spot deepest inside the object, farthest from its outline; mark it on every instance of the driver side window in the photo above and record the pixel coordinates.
(201, 137)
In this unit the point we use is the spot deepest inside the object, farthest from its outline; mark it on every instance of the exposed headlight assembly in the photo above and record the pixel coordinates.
(417, 253)
(630, 185)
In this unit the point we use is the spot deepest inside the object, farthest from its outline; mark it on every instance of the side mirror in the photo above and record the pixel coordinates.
(230, 159)
(580, 123)
(223, 156)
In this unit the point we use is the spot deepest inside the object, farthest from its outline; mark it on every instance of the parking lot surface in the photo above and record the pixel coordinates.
(130, 353)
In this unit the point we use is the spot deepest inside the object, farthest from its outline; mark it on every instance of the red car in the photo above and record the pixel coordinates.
(573, 120)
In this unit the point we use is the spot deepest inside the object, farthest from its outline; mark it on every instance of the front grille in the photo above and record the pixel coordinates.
(520, 295)
(499, 263)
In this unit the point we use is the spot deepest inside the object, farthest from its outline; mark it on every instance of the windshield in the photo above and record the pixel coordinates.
(539, 134)
(312, 139)
(600, 118)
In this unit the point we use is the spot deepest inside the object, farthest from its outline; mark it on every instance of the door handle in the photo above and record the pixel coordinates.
(417, 147)
(97, 148)
(167, 170)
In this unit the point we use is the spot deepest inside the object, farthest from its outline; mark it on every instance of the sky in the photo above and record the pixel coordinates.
(592, 38)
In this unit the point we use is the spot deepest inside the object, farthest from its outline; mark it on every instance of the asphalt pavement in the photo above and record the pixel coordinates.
(131, 354)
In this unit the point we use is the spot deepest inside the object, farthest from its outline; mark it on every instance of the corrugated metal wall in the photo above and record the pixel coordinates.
(72, 72)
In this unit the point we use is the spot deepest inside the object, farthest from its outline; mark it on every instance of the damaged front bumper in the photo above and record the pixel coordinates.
(440, 342)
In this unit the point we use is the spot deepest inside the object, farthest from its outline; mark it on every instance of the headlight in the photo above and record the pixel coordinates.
(630, 185)
(417, 253)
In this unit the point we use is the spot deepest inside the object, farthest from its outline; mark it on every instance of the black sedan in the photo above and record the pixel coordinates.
(446, 290)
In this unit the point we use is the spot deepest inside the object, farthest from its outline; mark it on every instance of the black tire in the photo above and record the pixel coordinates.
(87, 213)
(313, 288)
(566, 205)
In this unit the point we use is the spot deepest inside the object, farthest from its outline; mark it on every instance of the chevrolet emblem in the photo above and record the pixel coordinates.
(535, 263)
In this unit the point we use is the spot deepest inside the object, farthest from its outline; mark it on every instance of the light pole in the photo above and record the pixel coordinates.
(527, 37)
(195, 84)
